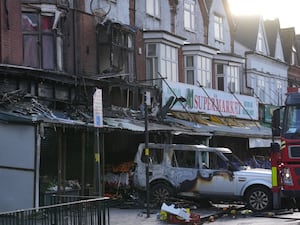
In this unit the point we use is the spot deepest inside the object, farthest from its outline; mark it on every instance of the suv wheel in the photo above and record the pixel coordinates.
(161, 192)
(258, 199)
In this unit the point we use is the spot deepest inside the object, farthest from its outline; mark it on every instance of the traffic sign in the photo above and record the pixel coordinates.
(98, 108)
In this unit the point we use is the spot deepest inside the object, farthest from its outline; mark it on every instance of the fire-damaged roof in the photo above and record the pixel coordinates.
(222, 126)
(19, 107)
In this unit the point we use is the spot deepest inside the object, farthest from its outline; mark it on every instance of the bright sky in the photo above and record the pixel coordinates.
(286, 10)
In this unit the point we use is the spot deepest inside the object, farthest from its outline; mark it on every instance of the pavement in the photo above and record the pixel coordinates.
(214, 216)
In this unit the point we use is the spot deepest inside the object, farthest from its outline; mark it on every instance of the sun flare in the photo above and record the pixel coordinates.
(285, 10)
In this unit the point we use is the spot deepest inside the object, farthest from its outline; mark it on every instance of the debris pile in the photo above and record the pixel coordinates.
(172, 214)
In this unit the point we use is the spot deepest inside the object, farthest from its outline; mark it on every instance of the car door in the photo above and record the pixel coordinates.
(183, 169)
(214, 177)
(156, 156)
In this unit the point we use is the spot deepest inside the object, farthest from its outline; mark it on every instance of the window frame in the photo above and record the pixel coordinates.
(189, 15)
(152, 63)
(202, 70)
(219, 28)
(260, 42)
(153, 8)
(165, 62)
(204, 73)
(220, 76)
(260, 82)
(184, 159)
(189, 69)
(169, 62)
(232, 76)
(41, 45)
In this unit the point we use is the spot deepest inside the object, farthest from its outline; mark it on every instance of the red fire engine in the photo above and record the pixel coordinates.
(285, 157)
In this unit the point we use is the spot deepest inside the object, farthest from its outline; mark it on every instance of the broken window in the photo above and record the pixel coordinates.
(185, 159)
(42, 42)
(116, 50)
(155, 156)
(215, 162)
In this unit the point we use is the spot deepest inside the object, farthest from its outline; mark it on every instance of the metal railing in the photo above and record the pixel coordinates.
(83, 212)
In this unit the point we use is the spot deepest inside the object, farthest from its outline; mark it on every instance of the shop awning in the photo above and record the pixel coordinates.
(135, 125)
(233, 128)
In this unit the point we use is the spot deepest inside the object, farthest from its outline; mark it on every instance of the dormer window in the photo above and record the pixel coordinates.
(259, 42)
(152, 8)
(293, 57)
(189, 15)
(218, 28)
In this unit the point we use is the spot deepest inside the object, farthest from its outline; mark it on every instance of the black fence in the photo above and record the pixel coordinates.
(93, 211)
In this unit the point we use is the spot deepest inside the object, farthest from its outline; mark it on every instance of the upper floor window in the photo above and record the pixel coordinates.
(161, 58)
(42, 45)
(152, 62)
(189, 70)
(293, 58)
(152, 8)
(189, 15)
(169, 62)
(233, 79)
(220, 77)
(280, 92)
(204, 71)
(261, 88)
(227, 78)
(198, 70)
(115, 50)
(218, 28)
(260, 42)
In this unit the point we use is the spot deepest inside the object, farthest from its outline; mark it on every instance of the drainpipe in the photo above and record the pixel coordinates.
(1, 35)
(75, 31)
(38, 128)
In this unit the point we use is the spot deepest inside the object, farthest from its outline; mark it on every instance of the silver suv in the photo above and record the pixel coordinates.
(201, 171)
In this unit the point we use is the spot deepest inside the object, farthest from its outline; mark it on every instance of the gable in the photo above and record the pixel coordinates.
(278, 49)
(218, 37)
(261, 41)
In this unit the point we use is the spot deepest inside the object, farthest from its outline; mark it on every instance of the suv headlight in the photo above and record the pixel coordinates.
(287, 178)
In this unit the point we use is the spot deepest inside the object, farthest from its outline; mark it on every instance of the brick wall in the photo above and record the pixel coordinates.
(11, 33)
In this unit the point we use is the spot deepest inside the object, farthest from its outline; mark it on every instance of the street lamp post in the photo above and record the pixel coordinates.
(146, 103)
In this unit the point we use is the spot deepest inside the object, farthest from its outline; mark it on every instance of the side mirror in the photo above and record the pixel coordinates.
(276, 129)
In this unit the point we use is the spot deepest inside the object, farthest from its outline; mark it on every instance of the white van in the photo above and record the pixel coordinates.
(201, 171)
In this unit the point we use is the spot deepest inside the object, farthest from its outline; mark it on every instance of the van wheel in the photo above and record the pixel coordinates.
(258, 199)
(161, 192)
